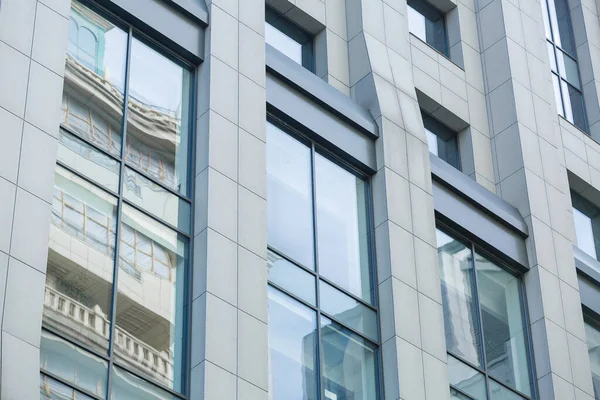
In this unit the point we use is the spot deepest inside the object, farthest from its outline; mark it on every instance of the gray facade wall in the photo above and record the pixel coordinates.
(495, 90)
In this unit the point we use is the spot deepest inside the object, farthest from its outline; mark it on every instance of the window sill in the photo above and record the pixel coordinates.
(436, 50)
(587, 264)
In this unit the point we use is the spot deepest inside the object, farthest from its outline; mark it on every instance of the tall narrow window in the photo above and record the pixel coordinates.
(116, 284)
(587, 225)
(441, 141)
(289, 39)
(486, 335)
(323, 333)
(592, 333)
(428, 24)
(563, 62)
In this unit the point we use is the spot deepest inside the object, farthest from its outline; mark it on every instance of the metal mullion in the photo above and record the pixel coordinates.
(352, 330)
(467, 363)
(90, 143)
(149, 380)
(480, 319)
(460, 391)
(87, 179)
(291, 260)
(155, 181)
(119, 216)
(319, 366)
(515, 391)
(155, 218)
(347, 293)
(79, 345)
(65, 382)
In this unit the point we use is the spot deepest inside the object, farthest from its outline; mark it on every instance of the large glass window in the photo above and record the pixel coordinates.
(592, 333)
(563, 62)
(289, 38)
(441, 141)
(486, 335)
(323, 332)
(116, 286)
(587, 225)
(428, 24)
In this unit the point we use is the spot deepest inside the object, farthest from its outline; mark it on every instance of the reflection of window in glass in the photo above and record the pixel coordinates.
(587, 225)
(428, 24)
(486, 336)
(563, 62)
(337, 278)
(103, 209)
(441, 141)
(592, 333)
(289, 39)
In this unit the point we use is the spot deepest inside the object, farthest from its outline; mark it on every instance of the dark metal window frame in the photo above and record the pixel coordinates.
(559, 50)
(316, 148)
(489, 254)
(446, 135)
(295, 32)
(425, 8)
(132, 33)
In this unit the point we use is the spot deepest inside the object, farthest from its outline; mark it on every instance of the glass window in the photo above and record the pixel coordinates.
(293, 346)
(563, 61)
(121, 189)
(486, 336)
(587, 225)
(288, 38)
(592, 333)
(326, 303)
(441, 141)
(428, 24)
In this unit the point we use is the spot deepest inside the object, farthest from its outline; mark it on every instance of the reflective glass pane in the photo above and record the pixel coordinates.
(551, 55)
(158, 119)
(153, 198)
(289, 197)
(584, 232)
(546, 20)
(94, 84)
(432, 142)
(568, 69)
(292, 349)
(593, 343)
(292, 278)
(503, 328)
(349, 364)
(81, 248)
(577, 110)
(416, 24)
(283, 43)
(463, 332)
(466, 379)
(342, 228)
(51, 389)
(126, 386)
(150, 298)
(499, 392)
(561, 22)
(348, 311)
(557, 95)
(73, 364)
(455, 395)
(88, 161)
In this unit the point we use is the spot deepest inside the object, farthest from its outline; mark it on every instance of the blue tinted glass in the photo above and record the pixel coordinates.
(467, 379)
(126, 386)
(292, 348)
(292, 278)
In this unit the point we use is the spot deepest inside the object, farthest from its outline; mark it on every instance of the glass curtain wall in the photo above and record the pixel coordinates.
(323, 331)
(486, 335)
(115, 305)
(563, 62)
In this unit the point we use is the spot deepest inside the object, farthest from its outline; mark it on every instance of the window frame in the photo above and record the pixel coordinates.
(430, 8)
(133, 32)
(476, 247)
(562, 80)
(430, 121)
(294, 32)
(312, 143)
(591, 318)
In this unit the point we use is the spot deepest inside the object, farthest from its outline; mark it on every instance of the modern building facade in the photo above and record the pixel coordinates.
(300, 199)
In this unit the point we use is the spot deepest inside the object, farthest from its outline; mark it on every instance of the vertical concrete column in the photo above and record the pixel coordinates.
(412, 326)
(530, 174)
(33, 39)
(229, 327)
